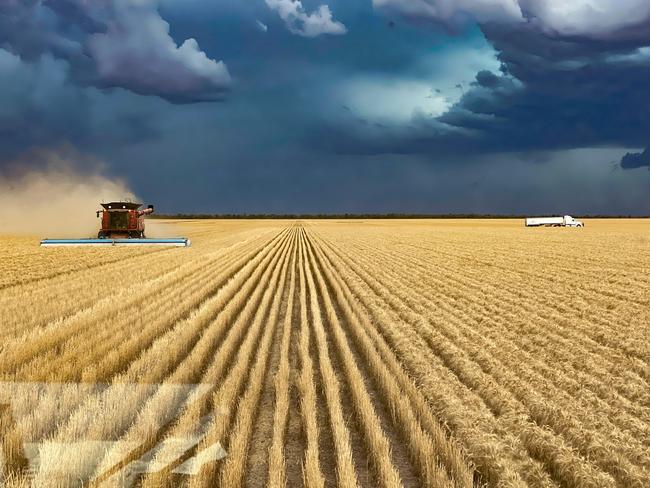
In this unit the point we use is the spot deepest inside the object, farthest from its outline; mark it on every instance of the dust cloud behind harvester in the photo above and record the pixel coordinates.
(56, 200)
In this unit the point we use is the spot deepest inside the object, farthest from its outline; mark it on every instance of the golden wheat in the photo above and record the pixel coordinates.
(453, 353)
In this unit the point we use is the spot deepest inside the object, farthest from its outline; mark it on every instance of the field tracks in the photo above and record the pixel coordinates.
(498, 364)
(316, 354)
(430, 450)
(629, 467)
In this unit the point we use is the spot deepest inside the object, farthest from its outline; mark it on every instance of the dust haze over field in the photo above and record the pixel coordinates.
(57, 200)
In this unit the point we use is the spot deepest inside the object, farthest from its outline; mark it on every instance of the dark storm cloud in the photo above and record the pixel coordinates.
(42, 109)
(636, 160)
(116, 43)
(487, 79)
(38, 107)
(565, 82)
(557, 93)
(584, 19)
(291, 139)
(575, 92)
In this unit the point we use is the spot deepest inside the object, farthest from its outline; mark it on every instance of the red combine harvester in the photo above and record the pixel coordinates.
(122, 220)
(122, 225)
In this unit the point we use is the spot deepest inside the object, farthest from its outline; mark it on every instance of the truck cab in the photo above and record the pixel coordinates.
(571, 222)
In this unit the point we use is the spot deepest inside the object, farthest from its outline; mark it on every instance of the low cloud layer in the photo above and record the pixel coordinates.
(58, 199)
(452, 12)
(593, 19)
(114, 43)
(299, 22)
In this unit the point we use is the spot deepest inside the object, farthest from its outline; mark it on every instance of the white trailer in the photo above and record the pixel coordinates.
(566, 221)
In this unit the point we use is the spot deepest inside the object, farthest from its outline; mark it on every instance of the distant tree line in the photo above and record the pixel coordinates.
(182, 216)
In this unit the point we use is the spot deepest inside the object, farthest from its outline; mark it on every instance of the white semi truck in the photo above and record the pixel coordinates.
(566, 221)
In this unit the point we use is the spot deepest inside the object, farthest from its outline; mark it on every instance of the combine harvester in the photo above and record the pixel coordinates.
(122, 225)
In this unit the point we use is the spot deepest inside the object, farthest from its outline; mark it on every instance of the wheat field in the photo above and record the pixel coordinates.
(395, 353)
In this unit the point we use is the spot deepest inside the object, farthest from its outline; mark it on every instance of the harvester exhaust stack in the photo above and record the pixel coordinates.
(122, 225)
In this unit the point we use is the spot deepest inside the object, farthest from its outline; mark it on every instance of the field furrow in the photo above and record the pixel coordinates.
(519, 338)
(374, 353)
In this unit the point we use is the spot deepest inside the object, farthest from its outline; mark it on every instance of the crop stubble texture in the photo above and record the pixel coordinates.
(380, 353)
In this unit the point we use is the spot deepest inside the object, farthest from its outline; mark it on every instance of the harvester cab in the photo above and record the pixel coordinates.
(122, 220)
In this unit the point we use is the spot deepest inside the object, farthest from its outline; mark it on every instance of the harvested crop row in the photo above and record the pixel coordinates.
(494, 302)
(311, 471)
(377, 444)
(425, 450)
(276, 475)
(471, 312)
(376, 353)
(164, 302)
(500, 458)
(455, 359)
(55, 299)
(200, 365)
(183, 338)
(444, 307)
(601, 329)
(530, 368)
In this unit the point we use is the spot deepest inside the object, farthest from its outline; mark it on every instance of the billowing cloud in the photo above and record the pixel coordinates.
(136, 52)
(434, 84)
(593, 19)
(114, 43)
(449, 127)
(596, 19)
(559, 93)
(571, 75)
(636, 160)
(298, 21)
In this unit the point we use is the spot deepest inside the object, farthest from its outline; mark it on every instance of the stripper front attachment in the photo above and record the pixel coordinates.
(173, 241)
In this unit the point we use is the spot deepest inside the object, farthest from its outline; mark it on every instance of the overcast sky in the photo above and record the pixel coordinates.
(428, 106)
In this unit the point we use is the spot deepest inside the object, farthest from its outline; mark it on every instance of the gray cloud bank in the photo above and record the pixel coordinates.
(573, 74)
(113, 43)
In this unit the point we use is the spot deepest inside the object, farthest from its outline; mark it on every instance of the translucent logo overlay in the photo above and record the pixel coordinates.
(104, 434)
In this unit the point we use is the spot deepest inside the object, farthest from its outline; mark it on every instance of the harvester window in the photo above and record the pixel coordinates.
(119, 220)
